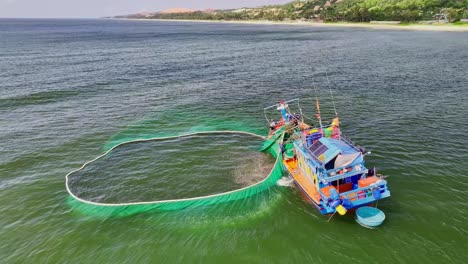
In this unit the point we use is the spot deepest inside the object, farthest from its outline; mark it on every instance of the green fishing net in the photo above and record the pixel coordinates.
(270, 146)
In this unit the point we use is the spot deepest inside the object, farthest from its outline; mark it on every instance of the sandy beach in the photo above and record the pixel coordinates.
(440, 27)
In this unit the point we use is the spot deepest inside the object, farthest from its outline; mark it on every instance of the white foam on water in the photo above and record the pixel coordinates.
(285, 181)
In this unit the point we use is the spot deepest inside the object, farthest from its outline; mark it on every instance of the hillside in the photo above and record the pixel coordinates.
(336, 10)
(177, 11)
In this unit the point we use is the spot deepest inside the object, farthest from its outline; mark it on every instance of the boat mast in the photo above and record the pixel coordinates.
(317, 105)
(331, 93)
(329, 85)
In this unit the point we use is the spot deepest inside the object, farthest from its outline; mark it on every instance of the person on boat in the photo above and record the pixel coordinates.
(272, 125)
(295, 118)
(282, 107)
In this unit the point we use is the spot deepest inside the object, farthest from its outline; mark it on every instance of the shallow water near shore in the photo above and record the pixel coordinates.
(72, 89)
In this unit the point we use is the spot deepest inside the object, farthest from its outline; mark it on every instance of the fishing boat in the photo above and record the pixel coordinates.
(325, 166)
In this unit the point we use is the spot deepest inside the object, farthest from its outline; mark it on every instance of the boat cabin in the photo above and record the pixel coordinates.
(337, 170)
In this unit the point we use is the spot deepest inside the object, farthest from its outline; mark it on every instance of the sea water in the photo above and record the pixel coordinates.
(71, 89)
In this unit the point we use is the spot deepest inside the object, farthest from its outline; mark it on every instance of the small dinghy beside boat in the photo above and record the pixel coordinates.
(369, 216)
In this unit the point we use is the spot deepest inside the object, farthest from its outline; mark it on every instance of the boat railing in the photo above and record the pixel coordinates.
(364, 192)
(276, 105)
(341, 137)
(356, 169)
(344, 175)
(347, 141)
(359, 193)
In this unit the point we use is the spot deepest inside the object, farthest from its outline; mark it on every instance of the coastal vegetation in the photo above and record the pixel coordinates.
(335, 11)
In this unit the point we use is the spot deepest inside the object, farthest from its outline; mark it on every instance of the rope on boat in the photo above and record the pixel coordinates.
(308, 118)
(276, 170)
(331, 93)
(329, 84)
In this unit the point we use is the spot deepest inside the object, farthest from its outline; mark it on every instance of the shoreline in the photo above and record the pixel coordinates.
(418, 27)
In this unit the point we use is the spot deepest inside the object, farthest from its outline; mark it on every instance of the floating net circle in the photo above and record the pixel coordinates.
(99, 208)
(167, 169)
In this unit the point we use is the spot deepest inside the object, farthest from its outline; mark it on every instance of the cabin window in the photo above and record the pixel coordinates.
(331, 164)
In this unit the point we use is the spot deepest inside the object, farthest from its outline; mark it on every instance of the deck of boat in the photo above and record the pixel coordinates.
(302, 180)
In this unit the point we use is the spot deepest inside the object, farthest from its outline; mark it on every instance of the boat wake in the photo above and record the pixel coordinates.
(285, 182)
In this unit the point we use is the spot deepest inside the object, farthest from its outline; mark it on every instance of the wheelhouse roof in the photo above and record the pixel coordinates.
(326, 149)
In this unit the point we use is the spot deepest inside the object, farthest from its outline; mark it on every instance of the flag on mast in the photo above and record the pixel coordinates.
(318, 108)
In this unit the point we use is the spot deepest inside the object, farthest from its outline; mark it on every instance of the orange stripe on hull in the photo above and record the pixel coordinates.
(302, 180)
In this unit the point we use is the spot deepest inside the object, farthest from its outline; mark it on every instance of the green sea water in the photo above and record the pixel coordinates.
(72, 89)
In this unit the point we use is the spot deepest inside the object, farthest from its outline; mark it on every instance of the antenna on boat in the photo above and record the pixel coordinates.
(329, 86)
(331, 93)
(300, 109)
(317, 105)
